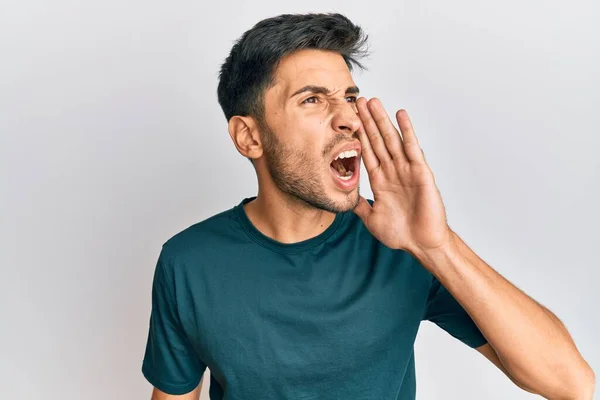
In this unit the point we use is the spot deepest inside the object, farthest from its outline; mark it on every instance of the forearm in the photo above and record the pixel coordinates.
(531, 342)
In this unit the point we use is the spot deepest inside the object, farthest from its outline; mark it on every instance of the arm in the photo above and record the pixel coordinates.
(193, 395)
(532, 346)
(408, 213)
(489, 353)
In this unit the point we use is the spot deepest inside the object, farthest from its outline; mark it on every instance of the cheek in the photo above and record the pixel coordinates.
(308, 135)
(309, 129)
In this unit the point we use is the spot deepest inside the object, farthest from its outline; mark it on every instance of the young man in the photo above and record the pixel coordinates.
(308, 290)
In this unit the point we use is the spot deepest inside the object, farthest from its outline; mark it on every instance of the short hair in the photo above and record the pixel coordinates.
(249, 69)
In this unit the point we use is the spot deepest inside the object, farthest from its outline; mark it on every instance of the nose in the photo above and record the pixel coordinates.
(346, 119)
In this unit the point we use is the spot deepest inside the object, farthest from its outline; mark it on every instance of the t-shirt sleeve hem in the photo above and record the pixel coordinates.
(169, 388)
(476, 341)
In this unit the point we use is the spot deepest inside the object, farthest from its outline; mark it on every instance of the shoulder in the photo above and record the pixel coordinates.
(198, 238)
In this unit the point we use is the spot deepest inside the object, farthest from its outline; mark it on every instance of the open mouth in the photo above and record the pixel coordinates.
(345, 167)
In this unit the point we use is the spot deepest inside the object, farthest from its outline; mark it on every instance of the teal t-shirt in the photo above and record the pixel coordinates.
(331, 317)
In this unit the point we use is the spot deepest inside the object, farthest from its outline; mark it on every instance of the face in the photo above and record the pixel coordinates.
(310, 118)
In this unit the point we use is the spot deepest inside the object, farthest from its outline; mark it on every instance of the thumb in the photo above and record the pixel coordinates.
(363, 209)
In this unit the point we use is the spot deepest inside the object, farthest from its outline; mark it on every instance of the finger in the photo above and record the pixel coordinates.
(363, 209)
(375, 138)
(367, 154)
(391, 136)
(410, 142)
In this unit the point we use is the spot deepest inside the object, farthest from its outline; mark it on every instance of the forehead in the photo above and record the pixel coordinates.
(312, 67)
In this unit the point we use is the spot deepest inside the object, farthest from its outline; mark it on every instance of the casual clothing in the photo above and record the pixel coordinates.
(331, 317)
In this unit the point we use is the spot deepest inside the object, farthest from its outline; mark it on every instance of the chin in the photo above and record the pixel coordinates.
(345, 202)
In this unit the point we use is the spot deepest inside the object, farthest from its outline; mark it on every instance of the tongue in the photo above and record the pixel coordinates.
(339, 169)
(338, 165)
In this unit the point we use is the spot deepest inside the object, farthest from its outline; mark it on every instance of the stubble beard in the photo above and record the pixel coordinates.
(300, 177)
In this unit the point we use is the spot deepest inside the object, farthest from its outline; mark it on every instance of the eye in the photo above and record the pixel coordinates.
(315, 98)
(306, 101)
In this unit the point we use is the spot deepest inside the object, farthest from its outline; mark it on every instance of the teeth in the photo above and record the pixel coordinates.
(345, 178)
(347, 154)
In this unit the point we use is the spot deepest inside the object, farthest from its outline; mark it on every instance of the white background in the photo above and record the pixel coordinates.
(112, 140)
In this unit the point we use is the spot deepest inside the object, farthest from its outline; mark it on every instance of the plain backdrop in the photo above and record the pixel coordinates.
(112, 141)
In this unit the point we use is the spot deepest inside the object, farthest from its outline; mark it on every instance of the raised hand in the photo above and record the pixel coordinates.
(407, 212)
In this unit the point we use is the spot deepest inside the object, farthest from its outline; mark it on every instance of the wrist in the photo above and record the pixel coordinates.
(432, 258)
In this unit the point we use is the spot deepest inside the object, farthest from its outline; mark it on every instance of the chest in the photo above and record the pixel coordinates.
(294, 323)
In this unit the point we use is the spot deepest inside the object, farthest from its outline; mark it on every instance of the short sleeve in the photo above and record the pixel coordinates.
(447, 313)
(170, 364)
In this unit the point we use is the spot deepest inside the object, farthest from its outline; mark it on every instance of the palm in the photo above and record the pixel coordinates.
(408, 212)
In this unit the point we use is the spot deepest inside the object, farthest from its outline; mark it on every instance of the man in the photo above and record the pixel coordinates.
(310, 291)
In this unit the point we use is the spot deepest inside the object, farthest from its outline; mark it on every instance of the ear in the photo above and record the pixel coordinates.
(245, 136)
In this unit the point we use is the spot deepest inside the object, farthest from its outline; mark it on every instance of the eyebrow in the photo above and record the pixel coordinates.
(322, 90)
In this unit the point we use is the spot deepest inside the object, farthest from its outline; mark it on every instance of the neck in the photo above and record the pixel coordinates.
(285, 219)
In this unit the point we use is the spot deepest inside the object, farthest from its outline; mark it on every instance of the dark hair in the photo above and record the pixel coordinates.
(249, 69)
